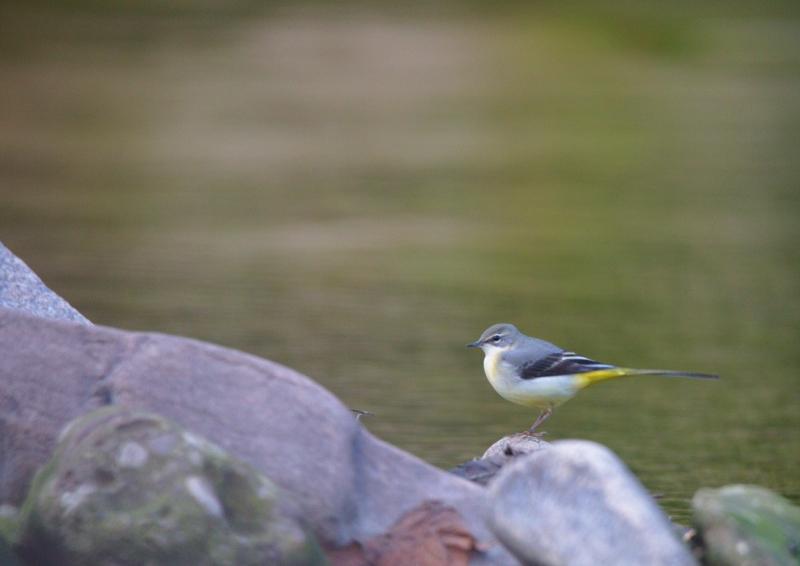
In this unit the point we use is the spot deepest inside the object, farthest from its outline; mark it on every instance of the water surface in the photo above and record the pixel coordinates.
(357, 193)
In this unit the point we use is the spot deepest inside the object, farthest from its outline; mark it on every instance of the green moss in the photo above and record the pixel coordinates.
(747, 524)
(132, 487)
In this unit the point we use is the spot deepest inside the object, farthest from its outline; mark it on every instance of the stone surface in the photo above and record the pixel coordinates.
(512, 446)
(484, 469)
(127, 487)
(7, 555)
(431, 534)
(8, 534)
(747, 525)
(576, 504)
(478, 470)
(9, 525)
(21, 288)
(347, 484)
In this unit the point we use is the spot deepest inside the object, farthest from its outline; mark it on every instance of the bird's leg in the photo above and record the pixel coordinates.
(542, 417)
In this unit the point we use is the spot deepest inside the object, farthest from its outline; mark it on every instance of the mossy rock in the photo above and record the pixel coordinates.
(132, 488)
(746, 525)
(9, 523)
(8, 534)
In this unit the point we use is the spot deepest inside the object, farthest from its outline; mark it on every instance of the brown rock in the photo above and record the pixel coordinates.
(431, 534)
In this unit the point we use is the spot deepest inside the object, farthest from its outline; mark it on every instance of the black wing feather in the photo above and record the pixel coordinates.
(559, 363)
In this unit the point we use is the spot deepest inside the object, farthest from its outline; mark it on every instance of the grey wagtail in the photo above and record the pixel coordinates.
(535, 373)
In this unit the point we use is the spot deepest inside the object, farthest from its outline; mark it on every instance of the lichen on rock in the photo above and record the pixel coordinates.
(128, 487)
(747, 525)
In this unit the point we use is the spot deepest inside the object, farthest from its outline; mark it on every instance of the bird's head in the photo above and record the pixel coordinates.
(498, 337)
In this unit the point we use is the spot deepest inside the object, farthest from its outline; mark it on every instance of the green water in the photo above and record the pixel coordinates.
(357, 192)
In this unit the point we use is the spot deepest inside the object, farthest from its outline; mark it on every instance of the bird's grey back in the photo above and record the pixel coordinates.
(529, 349)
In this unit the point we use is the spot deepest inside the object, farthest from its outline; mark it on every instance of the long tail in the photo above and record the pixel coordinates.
(591, 377)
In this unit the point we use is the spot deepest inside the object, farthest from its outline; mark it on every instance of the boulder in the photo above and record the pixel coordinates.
(21, 288)
(747, 525)
(484, 469)
(127, 487)
(7, 556)
(513, 446)
(347, 484)
(9, 523)
(8, 534)
(576, 504)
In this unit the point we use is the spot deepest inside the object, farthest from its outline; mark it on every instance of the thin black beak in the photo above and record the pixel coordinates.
(473, 344)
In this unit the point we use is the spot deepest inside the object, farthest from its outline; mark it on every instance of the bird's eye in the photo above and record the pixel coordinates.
(496, 338)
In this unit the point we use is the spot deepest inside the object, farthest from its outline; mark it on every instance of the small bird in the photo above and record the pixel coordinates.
(535, 373)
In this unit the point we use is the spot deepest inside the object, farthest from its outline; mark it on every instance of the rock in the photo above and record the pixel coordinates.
(347, 484)
(514, 445)
(484, 469)
(430, 534)
(577, 504)
(477, 470)
(9, 525)
(747, 525)
(21, 288)
(126, 487)
(7, 556)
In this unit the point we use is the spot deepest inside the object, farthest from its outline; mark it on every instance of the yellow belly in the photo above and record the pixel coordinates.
(544, 393)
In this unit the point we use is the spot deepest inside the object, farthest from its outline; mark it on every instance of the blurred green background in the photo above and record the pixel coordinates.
(358, 189)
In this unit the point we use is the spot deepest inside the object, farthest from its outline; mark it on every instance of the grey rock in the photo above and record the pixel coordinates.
(347, 484)
(9, 524)
(7, 556)
(21, 288)
(747, 525)
(484, 469)
(576, 504)
(478, 470)
(512, 446)
(127, 487)
(9, 528)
